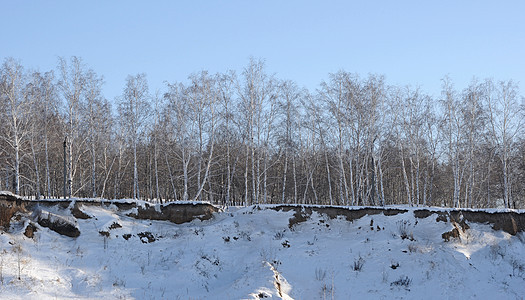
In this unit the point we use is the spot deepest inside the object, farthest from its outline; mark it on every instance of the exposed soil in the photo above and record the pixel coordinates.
(176, 213)
(510, 222)
(302, 213)
(30, 230)
(77, 213)
(63, 228)
(9, 205)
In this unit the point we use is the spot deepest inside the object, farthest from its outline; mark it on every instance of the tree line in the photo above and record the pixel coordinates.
(249, 137)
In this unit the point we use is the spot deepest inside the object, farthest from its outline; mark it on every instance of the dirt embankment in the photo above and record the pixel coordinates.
(302, 213)
(510, 222)
(10, 204)
(174, 212)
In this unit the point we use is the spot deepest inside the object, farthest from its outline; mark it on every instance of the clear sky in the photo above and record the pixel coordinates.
(410, 42)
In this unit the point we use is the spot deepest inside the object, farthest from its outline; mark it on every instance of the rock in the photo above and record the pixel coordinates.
(77, 213)
(454, 233)
(115, 225)
(58, 224)
(146, 237)
(30, 230)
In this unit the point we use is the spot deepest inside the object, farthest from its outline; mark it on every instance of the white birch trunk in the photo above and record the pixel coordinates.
(283, 199)
(294, 181)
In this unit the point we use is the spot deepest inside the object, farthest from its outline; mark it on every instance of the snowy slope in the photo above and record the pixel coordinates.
(251, 253)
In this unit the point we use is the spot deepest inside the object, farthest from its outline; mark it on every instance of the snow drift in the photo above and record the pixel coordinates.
(274, 251)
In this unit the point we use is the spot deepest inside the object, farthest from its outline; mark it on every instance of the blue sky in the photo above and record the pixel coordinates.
(410, 42)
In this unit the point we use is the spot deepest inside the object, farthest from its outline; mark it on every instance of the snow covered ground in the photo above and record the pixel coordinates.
(251, 253)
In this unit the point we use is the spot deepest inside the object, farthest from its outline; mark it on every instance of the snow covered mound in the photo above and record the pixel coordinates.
(287, 252)
(65, 225)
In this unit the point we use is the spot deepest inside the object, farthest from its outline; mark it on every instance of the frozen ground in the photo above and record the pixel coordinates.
(249, 253)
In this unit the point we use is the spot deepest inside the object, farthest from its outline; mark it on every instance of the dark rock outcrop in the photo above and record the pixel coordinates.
(57, 223)
(77, 213)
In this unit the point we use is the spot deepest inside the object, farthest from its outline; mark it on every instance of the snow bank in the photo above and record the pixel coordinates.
(62, 224)
(253, 253)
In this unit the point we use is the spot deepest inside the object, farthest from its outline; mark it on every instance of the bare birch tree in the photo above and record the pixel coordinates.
(134, 111)
(453, 131)
(289, 98)
(255, 91)
(506, 121)
(72, 85)
(15, 110)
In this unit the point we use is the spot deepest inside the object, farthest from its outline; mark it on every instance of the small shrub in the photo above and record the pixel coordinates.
(517, 268)
(269, 256)
(385, 276)
(320, 274)
(394, 265)
(146, 237)
(278, 235)
(214, 260)
(327, 291)
(358, 264)
(2, 267)
(115, 225)
(119, 282)
(312, 242)
(402, 282)
(245, 236)
(413, 248)
(521, 237)
(403, 229)
(496, 251)
(430, 271)
(79, 252)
